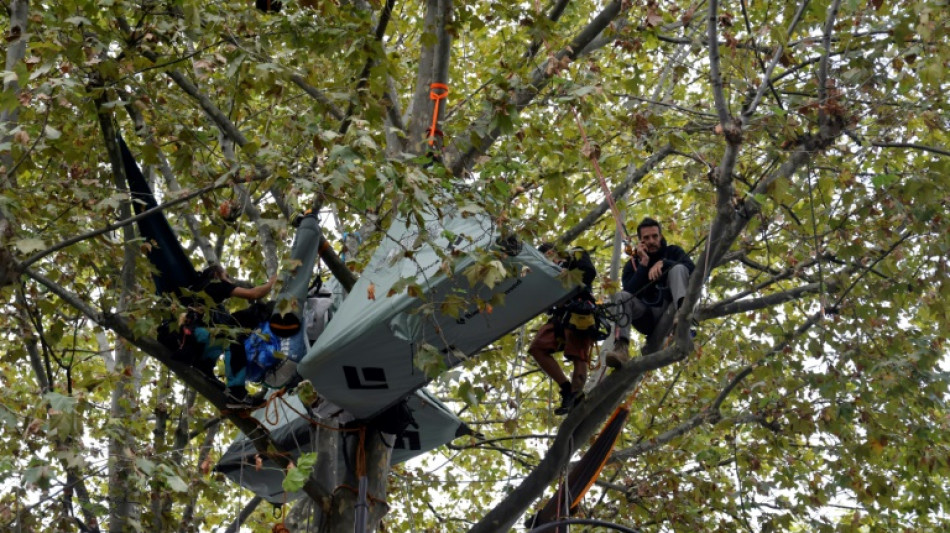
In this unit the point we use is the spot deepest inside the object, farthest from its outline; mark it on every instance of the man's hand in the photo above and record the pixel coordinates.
(642, 254)
(656, 271)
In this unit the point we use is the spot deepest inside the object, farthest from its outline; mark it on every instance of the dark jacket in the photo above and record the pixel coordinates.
(636, 278)
(576, 259)
(579, 259)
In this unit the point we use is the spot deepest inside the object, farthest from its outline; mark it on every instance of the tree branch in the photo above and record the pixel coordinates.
(120, 224)
(147, 134)
(913, 146)
(461, 161)
(191, 377)
(779, 51)
(752, 304)
(246, 512)
(378, 35)
(634, 176)
(824, 63)
(715, 76)
(581, 424)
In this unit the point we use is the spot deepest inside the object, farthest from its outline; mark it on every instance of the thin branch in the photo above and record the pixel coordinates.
(824, 63)
(779, 51)
(461, 162)
(120, 224)
(753, 304)
(317, 95)
(384, 17)
(913, 146)
(634, 175)
(244, 514)
(799, 331)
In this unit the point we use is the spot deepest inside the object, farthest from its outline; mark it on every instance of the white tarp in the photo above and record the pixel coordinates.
(368, 357)
(293, 434)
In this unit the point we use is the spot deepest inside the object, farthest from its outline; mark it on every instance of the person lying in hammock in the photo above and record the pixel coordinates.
(216, 285)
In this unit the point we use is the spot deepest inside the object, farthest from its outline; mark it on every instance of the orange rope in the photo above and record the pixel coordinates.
(361, 454)
(372, 499)
(603, 182)
(437, 92)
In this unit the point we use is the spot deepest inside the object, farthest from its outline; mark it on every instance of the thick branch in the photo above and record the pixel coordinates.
(19, 11)
(189, 375)
(576, 429)
(715, 76)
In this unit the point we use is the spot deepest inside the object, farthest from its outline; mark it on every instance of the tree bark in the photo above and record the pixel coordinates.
(123, 497)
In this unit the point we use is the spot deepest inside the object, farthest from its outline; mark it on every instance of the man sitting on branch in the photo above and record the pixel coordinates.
(656, 276)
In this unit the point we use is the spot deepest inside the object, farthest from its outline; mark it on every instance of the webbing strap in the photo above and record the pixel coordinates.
(600, 175)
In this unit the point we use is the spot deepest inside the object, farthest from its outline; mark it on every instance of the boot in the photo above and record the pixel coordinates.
(567, 399)
(619, 355)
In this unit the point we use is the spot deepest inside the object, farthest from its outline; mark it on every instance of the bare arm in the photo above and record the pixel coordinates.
(255, 293)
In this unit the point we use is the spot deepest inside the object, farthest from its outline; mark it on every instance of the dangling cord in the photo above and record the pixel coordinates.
(361, 511)
(814, 231)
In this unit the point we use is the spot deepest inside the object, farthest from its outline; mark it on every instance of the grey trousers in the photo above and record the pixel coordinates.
(629, 307)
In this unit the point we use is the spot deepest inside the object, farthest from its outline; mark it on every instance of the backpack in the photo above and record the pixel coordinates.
(317, 312)
(263, 352)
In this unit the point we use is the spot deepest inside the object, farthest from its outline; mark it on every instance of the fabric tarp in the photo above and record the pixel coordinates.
(366, 359)
(583, 474)
(293, 434)
(165, 252)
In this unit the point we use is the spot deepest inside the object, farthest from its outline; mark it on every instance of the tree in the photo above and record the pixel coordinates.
(798, 148)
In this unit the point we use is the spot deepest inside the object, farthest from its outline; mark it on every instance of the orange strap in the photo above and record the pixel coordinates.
(437, 92)
(603, 183)
(623, 409)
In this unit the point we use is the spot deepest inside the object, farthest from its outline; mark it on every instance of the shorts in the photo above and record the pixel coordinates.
(576, 346)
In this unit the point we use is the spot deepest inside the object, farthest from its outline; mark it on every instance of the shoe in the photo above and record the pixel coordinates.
(567, 399)
(575, 399)
(619, 355)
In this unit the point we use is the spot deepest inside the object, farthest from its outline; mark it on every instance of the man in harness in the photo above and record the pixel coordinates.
(571, 328)
(656, 276)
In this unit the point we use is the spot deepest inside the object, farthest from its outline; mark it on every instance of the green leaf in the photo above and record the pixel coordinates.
(297, 476)
(30, 245)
